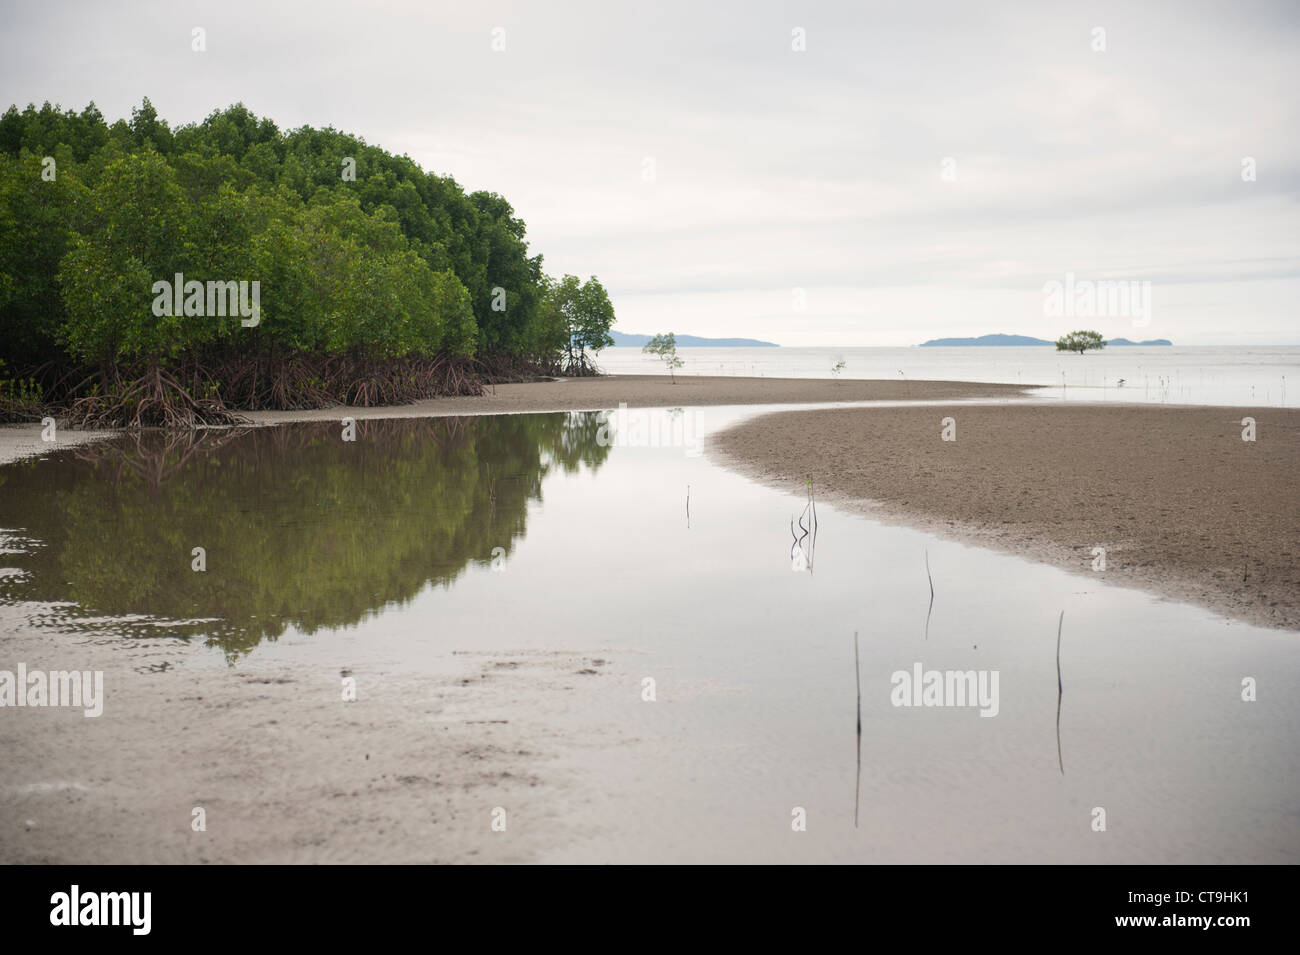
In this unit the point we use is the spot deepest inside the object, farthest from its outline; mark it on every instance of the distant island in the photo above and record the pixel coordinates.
(1025, 340)
(622, 340)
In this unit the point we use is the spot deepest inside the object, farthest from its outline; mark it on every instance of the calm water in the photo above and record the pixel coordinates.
(1226, 376)
(424, 538)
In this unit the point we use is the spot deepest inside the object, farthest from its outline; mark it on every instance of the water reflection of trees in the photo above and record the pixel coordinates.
(300, 527)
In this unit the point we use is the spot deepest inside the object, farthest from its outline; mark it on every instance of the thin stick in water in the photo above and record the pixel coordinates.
(812, 503)
(857, 673)
(1059, 692)
(931, 579)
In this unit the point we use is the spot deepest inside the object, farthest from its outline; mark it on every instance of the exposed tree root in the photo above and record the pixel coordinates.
(581, 366)
(212, 390)
(153, 399)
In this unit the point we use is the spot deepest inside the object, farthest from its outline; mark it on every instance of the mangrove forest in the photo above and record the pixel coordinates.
(159, 276)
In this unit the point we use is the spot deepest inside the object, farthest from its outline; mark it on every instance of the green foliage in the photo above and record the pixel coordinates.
(595, 317)
(135, 233)
(37, 218)
(391, 261)
(578, 316)
(21, 399)
(664, 347)
(1080, 341)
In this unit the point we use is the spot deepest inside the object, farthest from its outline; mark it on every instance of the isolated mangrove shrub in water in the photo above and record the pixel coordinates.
(298, 527)
(1080, 341)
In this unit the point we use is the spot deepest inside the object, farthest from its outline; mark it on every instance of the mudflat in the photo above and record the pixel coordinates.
(658, 391)
(1180, 503)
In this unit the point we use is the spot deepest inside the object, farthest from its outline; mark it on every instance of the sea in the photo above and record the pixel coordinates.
(1193, 375)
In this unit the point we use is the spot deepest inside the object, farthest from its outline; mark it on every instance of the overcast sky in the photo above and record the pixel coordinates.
(776, 169)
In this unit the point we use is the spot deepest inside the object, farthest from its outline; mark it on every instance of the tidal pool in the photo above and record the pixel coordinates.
(426, 538)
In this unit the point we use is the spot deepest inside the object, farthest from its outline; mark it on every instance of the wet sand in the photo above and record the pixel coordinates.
(658, 391)
(1181, 504)
(18, 441)
(579, 394)
(283, 768)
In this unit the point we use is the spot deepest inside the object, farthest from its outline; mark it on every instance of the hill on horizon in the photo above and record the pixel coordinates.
(625, 340)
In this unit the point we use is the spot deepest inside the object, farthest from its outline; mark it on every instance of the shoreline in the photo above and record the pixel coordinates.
(1183, 507)
(20, 440)
(1056, 461)
(656, 391)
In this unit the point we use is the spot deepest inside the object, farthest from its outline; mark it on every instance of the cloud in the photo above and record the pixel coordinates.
(777, 169)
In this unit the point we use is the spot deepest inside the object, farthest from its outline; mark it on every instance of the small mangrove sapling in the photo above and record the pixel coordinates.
(664, 347)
